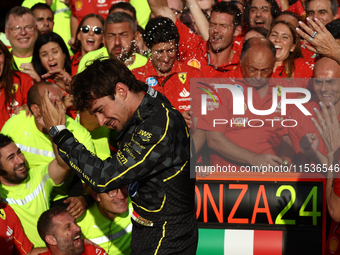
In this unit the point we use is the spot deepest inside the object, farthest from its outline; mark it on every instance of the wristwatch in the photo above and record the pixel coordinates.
(54, 130)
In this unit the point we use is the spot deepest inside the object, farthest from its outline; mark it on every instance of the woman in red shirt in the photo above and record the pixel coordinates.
(289, 62)
(14, 86)
(89, 37)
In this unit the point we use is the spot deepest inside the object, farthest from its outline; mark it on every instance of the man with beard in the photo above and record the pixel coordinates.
(62, 235)
(120, 40)
(44, 17)
(216, 57)
(28, 191)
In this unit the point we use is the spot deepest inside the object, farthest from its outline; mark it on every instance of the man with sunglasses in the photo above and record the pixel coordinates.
(120, 40)
(216, 57)
(108, 221)
(21, 31)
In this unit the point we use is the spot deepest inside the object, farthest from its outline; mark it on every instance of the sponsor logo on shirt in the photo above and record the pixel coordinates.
(184, 107)
(101, 1)
(333, 244)
(151, 81)
(184, 93)
(2, 214)
(194, 63)
(136, 217)
(182, 77)
(15, 88)
(99, 252)
(279, 88)
(9, 231)
(132, 188)
(152, 92)
(14, 103)
(79, 5)
(239, 122)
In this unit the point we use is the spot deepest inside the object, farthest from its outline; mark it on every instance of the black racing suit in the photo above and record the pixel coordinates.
(153, 160)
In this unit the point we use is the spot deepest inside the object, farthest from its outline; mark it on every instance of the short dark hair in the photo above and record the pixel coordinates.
(334, 6)
(99, 79)
(228, 8)
(261, 30)
(4, 141)
(18, 11)
(160, 30)
(77, 44)
(120, 17)
(247, 44)
(33, 94)
(124, 6)
(334, 28)
(41, 6)
(45, 222)
(293, 14)
(274, 10)
(44, 39)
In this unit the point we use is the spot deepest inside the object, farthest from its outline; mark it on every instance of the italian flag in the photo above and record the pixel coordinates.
(239, 242)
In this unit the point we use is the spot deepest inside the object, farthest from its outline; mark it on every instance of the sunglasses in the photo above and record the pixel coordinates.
(95, 29)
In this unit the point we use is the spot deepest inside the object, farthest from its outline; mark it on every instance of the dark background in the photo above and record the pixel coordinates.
(5, 6)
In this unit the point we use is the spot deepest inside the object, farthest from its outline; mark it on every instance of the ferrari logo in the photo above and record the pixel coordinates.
(2, 214)
(15, 88)
(182, 77)
(279, 90)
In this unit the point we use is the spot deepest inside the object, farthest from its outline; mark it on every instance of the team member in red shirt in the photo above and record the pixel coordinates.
(289, 62)
(215, 57)
(236, 143)
(162, 71)
(62, 235)
(12, 237)
(327, 89)
(13, 86)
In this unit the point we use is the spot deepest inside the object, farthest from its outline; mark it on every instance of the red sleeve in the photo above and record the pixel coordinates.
(21, 242)
(73, 7)
(336, 187)
(90, 250)
(26, 83)
(303, 69)
(188, 40)
(298, 9)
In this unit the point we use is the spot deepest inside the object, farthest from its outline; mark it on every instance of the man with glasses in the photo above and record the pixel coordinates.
(216, 57)
(21, 31)
(163, 72)
(108, 221)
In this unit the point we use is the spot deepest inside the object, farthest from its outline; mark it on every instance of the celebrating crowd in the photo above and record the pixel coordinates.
(103, 104)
